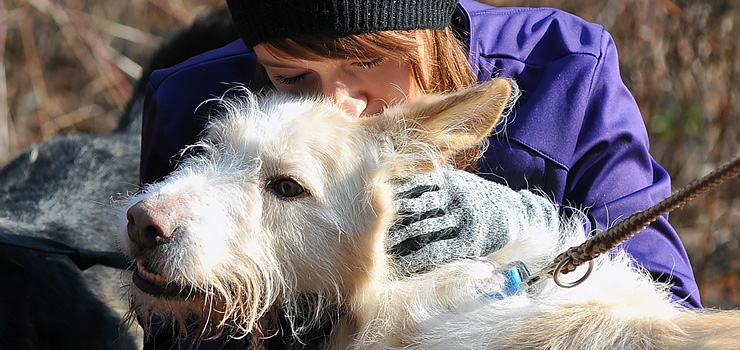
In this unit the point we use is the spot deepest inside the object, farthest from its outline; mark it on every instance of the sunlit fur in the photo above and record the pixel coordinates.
(243, 251)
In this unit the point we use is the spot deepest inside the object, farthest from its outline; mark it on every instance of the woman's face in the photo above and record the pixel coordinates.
(362, 88)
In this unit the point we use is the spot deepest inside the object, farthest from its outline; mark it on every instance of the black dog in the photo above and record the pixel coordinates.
(62, 190)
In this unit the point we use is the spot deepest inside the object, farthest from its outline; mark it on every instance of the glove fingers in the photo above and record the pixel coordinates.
(441, 251)
(417, 191)
(429, 256)
(425, 202)
(410, 238)
(408, 219)
(414, 185)
(418, 242)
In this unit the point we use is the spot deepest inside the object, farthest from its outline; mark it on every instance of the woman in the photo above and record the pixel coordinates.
(576, 133)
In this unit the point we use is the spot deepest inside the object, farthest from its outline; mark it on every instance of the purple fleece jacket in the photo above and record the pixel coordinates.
(576, 133)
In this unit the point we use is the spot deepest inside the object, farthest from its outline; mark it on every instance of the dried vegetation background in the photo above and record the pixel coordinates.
(68, 66)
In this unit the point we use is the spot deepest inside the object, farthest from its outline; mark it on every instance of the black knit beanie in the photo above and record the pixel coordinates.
(260, 21)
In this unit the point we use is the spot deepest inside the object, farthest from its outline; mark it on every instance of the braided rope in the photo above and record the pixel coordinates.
(607, 240)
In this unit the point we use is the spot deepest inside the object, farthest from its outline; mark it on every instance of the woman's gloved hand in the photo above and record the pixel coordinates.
(451, 214)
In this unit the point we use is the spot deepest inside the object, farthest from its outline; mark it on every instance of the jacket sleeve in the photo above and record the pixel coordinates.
(576, 133)
(613, 171)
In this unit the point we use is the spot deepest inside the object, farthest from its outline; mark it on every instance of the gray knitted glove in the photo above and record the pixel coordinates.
(452, 214)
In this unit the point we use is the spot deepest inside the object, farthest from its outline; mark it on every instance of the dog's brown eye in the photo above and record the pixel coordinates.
(286, 187)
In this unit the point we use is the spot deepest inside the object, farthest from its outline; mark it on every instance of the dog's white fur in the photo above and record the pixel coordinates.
(242, 250)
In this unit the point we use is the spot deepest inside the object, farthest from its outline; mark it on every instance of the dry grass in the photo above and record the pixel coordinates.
(69, 66)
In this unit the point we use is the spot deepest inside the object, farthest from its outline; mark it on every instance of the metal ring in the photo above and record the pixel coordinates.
(556, 274)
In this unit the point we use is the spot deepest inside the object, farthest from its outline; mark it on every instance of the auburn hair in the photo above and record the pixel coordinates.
(438, 60)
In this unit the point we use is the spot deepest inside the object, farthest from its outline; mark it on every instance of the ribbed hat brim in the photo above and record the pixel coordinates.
(260, 21)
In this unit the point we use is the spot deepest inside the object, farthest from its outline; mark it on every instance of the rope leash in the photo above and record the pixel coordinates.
(614, 236)
(82, 258)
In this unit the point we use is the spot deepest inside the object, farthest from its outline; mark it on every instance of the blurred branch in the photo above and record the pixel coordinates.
(124, 63)
(4, 105)
(42, 103)
(186, 13)
(122, 31)
(73, 117)
(98, 60)
(178, 11)
(672, 9)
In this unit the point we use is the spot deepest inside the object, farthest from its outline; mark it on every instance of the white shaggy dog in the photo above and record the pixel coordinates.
(286, 207)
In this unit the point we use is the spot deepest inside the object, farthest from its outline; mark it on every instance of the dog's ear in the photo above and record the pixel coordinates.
(433, 128)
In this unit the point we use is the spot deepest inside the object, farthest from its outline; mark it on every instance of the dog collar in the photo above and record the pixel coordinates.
(514, 274)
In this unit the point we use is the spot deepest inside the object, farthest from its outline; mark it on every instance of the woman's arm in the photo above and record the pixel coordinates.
(576, 133)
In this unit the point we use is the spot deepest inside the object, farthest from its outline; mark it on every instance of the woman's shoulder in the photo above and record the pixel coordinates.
(534, 35)
(223, 64)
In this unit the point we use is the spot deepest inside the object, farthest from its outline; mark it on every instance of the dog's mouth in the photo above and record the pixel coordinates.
(155, 284)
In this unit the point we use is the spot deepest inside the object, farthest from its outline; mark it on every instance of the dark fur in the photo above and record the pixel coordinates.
(62, 189)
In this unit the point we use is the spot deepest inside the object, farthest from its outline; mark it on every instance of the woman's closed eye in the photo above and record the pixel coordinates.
(289, 80)
(295, 79)
(370, 64)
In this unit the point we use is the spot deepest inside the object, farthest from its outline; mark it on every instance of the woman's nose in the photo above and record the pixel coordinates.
(354, 106)
(351, 100)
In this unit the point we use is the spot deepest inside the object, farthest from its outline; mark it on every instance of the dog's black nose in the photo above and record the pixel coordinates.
(149, 226)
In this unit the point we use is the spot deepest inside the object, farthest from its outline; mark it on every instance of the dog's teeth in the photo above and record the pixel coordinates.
(151, 276)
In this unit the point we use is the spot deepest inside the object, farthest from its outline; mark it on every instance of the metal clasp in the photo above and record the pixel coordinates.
(554, 271)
